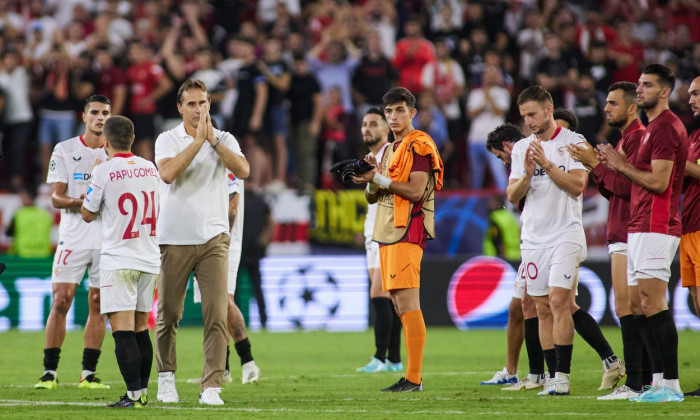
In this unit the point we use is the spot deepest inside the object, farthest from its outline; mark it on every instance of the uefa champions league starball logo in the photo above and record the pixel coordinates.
(309, 297)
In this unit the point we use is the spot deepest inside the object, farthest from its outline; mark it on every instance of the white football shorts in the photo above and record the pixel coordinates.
(126, 290)
(69, 266)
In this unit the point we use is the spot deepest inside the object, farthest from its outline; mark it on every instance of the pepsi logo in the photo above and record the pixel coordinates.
(479, 293)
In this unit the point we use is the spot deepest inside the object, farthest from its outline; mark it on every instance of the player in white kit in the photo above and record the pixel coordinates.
(553, 242)
(124, 191)
(78, 245)
(387, 325)
(235, 322)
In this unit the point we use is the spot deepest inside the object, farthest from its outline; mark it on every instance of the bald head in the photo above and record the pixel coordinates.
(694, 101)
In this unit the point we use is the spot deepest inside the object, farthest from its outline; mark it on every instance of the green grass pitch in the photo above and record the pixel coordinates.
(311, 375)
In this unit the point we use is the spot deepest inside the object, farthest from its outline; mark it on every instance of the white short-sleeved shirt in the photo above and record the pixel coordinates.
(235, 186)
(372, 208)
(486, 121)
(551, 215)
(194, 207)
(71, 164)
(125, 191)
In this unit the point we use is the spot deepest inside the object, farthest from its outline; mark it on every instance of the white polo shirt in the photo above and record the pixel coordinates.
(551, 215)
(194, 207)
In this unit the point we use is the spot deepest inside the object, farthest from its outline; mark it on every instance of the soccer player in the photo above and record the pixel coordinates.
(522, 315)
(553, 241)
(387, 325)
(78, 245)
(404, 188)
(621, 113)
(235, 323)
(124, 191)
(654, 228)
(690, 218)
(193, 233)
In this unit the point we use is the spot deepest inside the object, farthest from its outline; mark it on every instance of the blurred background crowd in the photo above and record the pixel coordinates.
(291, 79)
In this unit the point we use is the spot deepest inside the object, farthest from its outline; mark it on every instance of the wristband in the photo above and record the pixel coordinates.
(372, 188)
(215, 145)
(381, 180)
(549, 167)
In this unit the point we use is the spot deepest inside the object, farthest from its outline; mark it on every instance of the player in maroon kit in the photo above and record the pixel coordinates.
(621, 112)
(655, 227)
(690, 241)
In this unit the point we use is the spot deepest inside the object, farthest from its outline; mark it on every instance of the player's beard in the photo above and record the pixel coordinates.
(649, 103)
(616, 123)
(542, 129)
(372, 141)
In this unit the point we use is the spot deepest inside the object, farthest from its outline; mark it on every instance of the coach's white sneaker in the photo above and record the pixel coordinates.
(210, 396)
(166, 388)
(622, 393)
(612, 373)
(250, 372)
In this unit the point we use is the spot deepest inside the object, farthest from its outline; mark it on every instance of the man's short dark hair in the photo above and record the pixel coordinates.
(191, 84)
(507, 132)
(376, 111)
(663, 74)
(96, 98)
(535, 93)
(629, 91)
(397, 95)
(568, 116)
(119, 131)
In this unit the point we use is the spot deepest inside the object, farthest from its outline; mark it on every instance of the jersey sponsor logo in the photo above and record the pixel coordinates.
(79, 176)
(77, 158)
(479, 293)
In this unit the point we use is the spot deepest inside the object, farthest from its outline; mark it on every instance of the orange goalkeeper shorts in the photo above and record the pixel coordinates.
(400, 264)
(690, 259)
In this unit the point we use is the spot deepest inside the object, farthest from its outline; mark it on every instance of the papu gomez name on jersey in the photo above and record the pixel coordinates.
(133, 173)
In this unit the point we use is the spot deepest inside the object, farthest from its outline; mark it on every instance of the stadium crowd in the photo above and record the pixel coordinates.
(291, 79)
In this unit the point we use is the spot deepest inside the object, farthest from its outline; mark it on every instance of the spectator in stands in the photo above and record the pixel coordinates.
(56, 105)
(17, 115)
(445, 79)
(446, 21)
(486, 107)
(249, 112)
(431, 120)
(306, 115)
(593, 28)
(148, 83)
(600, 65)
(111, 79)
(413, 52)
(628, 53)
(373, 77)
(278, 76)
(335, 119)
(556, 71)
(341, 59)
(588, 104)
(381, 16)
(530, 39)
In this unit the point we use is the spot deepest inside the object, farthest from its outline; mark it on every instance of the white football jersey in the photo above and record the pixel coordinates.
(235, 186)
(71, 164)
(125, 191)
(372, 208)
(551, 215)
